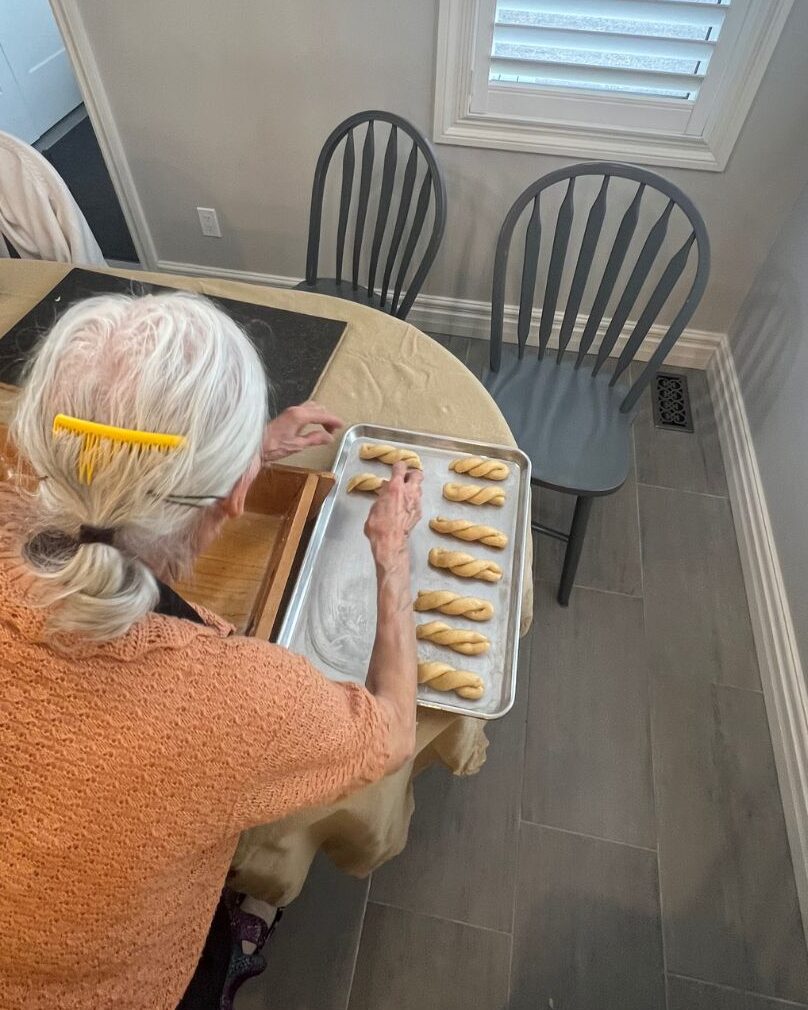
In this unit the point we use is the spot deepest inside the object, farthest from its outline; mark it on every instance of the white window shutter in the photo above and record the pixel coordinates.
(655, 48)
(655, 82)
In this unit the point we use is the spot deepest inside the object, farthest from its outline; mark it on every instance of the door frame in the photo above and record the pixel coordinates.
(70, 23)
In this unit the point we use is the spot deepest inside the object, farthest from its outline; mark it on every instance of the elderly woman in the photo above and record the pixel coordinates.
(139, 736)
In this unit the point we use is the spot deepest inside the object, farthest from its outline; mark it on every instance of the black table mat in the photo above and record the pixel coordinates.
(294, 347)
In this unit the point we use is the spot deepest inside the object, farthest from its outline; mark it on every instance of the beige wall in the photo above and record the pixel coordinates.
(226, 104)
(770, 337)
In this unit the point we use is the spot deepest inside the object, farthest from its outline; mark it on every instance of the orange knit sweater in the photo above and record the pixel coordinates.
(127, 771)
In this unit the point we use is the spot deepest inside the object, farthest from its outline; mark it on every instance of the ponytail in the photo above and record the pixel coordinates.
(92, 588)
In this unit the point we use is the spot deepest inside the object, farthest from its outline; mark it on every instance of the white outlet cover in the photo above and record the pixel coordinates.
(209, 222)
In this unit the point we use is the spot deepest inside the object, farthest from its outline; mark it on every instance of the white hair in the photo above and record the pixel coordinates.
(168, 363)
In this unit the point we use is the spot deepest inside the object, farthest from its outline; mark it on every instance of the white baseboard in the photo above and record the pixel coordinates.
(467, 318)
(781, 671)
(246, 276)
(60, 129)
(124, 265)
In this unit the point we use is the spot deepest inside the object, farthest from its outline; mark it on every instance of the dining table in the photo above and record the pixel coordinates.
(385, 371)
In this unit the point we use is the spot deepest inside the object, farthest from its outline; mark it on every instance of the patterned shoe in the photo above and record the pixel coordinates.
(245, 928)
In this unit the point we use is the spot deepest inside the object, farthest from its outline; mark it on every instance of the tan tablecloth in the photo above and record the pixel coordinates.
(383, 371)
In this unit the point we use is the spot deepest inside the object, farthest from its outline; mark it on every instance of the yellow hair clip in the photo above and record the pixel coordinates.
(100, 441)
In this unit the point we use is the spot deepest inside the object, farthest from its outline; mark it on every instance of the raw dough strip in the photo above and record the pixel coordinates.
(453, 604)
(365, 482)
(465, 529)
(474, 494)
(470, 643)
(465, 565)
(476, 466)
(389, 454)
(443, 677)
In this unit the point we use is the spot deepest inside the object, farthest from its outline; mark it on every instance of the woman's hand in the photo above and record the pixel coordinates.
(394, 513)
(285, 434)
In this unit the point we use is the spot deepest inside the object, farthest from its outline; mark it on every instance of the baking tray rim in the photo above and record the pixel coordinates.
(449, 442)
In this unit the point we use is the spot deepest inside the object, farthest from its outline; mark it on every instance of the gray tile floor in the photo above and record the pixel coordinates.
(624, 846)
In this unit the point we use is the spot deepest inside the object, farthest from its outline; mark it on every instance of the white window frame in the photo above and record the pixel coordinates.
(596, 125)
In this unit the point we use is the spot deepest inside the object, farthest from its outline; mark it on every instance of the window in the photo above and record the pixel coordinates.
(666, 82)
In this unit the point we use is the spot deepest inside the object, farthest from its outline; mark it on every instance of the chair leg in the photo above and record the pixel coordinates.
(580, 518)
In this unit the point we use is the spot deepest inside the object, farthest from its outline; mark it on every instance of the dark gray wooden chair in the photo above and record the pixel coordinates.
(391, 278)
(567, 406)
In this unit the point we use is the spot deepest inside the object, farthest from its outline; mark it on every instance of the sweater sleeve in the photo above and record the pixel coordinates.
(294, 739)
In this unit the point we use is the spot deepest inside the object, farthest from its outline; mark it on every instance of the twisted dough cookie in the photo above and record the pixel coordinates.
(476, 466)
(388, 454)
(453, 604)
(470, 643)
(365, 482)
(465, 565)
(474, 494)
(465, 529)
(443, 677)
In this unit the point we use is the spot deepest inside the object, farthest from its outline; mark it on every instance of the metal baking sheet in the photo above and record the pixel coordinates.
(331, 617)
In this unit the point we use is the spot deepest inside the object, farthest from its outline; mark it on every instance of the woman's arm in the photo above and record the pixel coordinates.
(392, 673)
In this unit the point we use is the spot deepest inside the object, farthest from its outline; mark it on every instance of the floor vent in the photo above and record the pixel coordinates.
(671, 402)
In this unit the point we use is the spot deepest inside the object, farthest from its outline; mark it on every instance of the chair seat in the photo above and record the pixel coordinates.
(567, 422)
(344, 289)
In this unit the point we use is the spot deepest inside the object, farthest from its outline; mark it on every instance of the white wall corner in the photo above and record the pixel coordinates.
(781, 672)
(77, 44)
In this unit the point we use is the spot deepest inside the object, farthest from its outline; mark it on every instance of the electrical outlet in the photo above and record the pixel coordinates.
(209, 222)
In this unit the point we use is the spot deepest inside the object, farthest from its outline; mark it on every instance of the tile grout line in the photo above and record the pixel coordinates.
(655, 791)
(662, 942)
(534, 559)
(682, 490)
(588, 589)
(639, 523)
(650, 729)
(697, 406)
(513, 903)
(591, 838)
(736, 687)
(358, 944)
(438, 918)
(743, 992)
(600, 589)
(654, 788)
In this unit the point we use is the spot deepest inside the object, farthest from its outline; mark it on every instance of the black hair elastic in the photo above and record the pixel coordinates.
(96, 534)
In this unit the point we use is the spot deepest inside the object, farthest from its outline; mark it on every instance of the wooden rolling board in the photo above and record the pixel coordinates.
(228, 576)
(243, 575)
